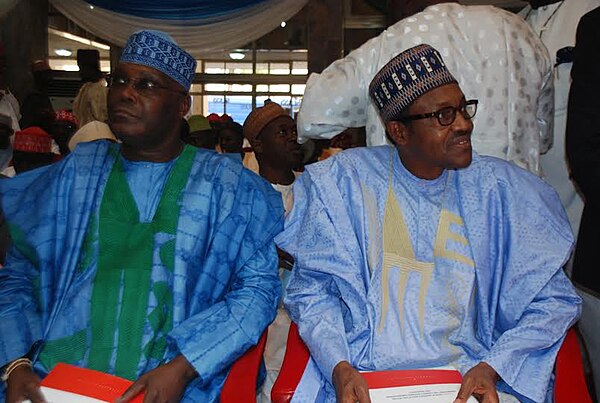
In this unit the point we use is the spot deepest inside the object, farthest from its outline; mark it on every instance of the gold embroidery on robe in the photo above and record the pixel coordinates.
(444, 234)
(398, 254)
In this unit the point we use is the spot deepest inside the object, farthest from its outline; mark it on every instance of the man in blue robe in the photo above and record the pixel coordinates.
(151, 260)
(426, 254)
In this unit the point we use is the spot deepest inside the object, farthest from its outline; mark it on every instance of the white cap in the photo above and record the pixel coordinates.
(91, 131)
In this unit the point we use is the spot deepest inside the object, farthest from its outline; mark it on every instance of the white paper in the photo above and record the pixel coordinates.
(438, 393)
(60, 396)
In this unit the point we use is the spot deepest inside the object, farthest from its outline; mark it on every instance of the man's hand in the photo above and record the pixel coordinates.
(350, 386)
(163, 384)
(24, 384)
(479, 381)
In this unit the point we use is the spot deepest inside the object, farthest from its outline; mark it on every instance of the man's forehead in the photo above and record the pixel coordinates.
(445, 95)
(282, 121)
(133, 69)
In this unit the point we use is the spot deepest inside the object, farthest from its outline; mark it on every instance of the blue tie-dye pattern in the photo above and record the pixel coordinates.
(225, 281)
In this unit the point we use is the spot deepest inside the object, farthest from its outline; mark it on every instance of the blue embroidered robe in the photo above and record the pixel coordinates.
(395, 272)
(224, 278)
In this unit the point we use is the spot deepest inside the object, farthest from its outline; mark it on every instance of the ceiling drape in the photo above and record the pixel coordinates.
(228, 30)
(176, 9)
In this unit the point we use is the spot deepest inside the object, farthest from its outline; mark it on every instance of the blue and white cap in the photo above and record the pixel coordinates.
(159, 50)
(405, 78)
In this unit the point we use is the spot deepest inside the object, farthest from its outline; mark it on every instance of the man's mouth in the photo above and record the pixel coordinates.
(122, 114)
(461, 141)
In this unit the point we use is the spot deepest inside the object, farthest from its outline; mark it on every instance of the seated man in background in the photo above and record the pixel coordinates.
(32, 149)
(425, 254)
(62, 128)
(271, 132)
(230, 137)
(201, 133)
(150, 259)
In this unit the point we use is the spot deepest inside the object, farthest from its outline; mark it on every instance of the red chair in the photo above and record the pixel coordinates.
(240, 385)
(294, 362)
(569, 387)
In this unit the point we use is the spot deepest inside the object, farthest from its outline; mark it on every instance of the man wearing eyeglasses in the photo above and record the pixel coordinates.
(150, 260)
(495, 56)
(424, 254)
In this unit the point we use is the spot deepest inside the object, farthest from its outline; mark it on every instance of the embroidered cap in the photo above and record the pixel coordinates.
(259, 118)
(33, 140)
(64, 115)
(158, 50)
(405, 78)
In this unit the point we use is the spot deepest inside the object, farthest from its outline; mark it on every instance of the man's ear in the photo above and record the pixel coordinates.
(185, 105)
(398, 132)
(257, 146)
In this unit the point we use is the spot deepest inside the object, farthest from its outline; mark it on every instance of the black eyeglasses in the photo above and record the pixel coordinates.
(446, 116)
(144, 86)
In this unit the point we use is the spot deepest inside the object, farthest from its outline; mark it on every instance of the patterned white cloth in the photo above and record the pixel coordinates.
(494, 55)
(556, 24)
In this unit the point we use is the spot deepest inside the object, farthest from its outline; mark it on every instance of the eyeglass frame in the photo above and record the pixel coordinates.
(134, 83)
(438, 114)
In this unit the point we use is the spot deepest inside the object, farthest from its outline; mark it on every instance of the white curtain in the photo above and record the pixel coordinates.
(195, 36)
(6, 5)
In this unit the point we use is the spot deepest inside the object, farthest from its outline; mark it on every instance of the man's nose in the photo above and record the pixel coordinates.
(462, 123)
(126, 91)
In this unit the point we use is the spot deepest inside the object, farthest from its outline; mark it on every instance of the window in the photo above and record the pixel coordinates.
(298, 89)
(238, 107)
(279, 68)
(214, 67)
(300, 68)
(238, 68)
(280, 75)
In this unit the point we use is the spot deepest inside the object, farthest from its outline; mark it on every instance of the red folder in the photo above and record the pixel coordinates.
(86, 382)
(390, 379)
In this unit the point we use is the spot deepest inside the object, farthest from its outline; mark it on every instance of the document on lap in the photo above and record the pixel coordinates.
(414, 386)
(70, 384)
